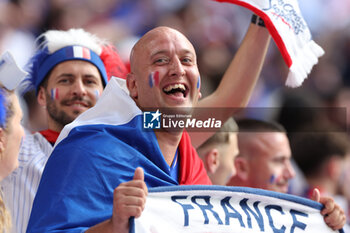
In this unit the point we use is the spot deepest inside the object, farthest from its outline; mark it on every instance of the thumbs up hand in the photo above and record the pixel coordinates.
(333, 214)
(129, 200)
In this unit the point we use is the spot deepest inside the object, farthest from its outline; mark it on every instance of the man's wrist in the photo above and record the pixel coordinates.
(257, 20)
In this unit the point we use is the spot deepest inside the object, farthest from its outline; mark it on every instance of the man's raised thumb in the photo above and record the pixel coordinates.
(138, 175)
(316, 196)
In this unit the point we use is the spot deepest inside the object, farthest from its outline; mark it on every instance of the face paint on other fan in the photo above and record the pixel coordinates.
(54, 94)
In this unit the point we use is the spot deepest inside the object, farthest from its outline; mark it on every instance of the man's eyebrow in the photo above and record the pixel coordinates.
(184, 51)
(158, 52)
(187, 51)
(72, 75)
(65, 75)
(90, 75)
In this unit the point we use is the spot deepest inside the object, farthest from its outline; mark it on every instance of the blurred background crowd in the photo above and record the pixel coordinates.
(216, 31)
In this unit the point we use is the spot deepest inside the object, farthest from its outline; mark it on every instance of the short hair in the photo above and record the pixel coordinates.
(223, 135)
(313, 149)
(255, 125)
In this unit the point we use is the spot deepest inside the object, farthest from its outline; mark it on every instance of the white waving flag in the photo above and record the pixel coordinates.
(10, 73)
(220, 209)
(289, 30)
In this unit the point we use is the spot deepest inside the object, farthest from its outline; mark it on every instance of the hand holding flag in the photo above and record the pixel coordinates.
(129, 200)
(289, 30)
(334, 216)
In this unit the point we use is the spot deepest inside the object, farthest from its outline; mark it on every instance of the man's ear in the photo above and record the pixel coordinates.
(334, 167)
(41, 97)
(242, 168)
(132, 85)
(212, 159)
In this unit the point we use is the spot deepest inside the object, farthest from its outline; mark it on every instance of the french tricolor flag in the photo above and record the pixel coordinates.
(79, 52)
(112, 144)
(153, 79)
(54, 93)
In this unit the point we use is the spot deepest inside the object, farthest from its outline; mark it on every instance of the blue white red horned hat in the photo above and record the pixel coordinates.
(74, 44)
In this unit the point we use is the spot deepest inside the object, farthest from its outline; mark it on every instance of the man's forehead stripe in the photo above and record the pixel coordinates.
(78, 52)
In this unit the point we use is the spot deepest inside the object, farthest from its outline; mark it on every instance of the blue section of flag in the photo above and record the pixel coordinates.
(111, 158)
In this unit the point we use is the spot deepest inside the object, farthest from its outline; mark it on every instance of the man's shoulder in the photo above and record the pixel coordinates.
(93, 133)
(34, 145)
(93, 139)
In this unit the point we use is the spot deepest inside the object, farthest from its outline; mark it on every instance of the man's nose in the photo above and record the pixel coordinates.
(176, 68)
(289, 171)
(79, 88)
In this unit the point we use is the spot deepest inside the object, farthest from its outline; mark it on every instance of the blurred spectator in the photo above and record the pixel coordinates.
(323, 158)
(218, 153)
(14, 35)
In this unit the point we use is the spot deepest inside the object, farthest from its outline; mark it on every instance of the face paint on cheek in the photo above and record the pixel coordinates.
(97, 94)
(153, 79)
(54, 94)
(274, 179)
(199, 82)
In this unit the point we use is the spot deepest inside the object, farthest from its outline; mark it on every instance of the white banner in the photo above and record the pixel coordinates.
(289, 30)
(220, 209)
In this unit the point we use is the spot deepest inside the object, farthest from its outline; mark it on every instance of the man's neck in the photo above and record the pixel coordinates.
(235, 181)
(168, 143)
(54, 126)
(326, 186)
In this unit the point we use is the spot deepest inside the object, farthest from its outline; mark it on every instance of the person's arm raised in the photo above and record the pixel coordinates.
(129, 200)
(239, 79)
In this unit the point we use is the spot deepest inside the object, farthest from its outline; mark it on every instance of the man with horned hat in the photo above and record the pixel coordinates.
(68, 72)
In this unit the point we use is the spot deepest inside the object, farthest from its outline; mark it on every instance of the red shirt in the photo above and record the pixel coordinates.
(192, 170)
(50, 135)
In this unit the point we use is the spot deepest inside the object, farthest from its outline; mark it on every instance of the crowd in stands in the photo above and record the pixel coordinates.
(312, 120)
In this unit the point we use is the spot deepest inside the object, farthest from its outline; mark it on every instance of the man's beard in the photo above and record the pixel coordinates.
(59, 116)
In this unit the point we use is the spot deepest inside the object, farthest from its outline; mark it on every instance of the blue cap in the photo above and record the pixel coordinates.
(43, 62)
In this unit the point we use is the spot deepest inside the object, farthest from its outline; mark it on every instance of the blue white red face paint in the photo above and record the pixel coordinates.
(153, 79)
(274, 179)
(54, 94)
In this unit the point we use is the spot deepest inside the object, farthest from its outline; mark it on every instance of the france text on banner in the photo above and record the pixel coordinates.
(220, 209)
(289, 30)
